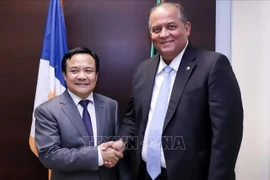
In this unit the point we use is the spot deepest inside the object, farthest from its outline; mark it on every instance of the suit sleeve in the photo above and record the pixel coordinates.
(52, 155)
(226, 112)
(123, 166)
(127, 130)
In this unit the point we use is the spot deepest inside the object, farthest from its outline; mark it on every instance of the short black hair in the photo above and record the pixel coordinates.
(79, 50)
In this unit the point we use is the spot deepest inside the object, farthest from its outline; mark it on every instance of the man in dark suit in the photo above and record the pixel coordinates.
(185, 116)
(71, 128)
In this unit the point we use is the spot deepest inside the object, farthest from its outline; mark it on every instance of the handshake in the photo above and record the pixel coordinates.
(111, 152)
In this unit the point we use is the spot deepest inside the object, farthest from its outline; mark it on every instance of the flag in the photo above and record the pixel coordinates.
(50, 80)
(153, 50)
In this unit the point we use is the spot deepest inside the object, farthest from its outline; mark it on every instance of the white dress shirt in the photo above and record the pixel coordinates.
(158, 83)
(92, 113)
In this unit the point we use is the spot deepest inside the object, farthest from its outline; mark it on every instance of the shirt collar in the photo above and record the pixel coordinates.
(175, 62)
(77, 99)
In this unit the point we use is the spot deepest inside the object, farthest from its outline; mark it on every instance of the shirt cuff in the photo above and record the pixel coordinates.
(100, 159)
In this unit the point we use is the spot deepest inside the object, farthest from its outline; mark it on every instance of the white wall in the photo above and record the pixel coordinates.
(243, 34)
(251, 63)
(223, 27)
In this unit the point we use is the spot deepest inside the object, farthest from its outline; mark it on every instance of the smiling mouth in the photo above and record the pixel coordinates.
(166, 42)
(82, 84)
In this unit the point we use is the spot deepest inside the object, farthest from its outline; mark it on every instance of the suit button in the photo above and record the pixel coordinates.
(139, 152)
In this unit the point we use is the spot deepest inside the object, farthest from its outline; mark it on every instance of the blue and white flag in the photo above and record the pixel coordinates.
(50, 80)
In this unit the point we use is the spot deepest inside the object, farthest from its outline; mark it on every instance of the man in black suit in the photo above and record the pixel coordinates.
(200, 124)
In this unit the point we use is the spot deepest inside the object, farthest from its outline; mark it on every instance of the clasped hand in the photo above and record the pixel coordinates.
(112, 152)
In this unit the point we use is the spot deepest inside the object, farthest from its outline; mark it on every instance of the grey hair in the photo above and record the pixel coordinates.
(181, 11)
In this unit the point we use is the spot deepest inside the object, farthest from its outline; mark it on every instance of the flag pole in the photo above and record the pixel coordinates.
(62, 5)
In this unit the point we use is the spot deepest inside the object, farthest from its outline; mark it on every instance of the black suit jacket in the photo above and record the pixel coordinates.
(204, 122)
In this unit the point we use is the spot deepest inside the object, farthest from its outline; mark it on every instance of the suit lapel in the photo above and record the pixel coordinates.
(100, 116)
(185, 70)
(71, 110)
(148, 87)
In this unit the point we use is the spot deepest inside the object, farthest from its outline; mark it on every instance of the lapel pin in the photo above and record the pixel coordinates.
(188, 68)
(101, 106)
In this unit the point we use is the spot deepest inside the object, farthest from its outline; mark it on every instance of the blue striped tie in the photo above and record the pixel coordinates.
(153, 162)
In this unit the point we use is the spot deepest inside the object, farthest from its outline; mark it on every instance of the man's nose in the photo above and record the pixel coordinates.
(81, 75)
(164, 33)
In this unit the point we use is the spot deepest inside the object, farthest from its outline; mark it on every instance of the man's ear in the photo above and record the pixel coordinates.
(64, 75)
(188, 27)
(97, 76)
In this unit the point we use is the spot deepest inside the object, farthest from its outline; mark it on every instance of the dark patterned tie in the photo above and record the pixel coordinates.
(87, 120)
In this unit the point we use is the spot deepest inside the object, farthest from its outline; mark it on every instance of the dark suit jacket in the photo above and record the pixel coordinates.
(204, 121)
(62, 140)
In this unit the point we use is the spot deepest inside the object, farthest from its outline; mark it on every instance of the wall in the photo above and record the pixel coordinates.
(115, 29)
(250, 60)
